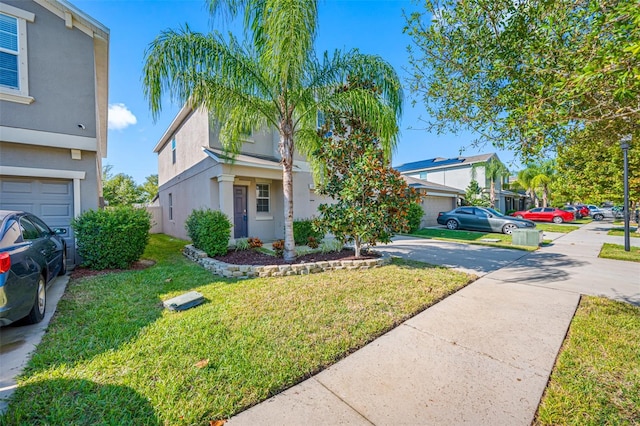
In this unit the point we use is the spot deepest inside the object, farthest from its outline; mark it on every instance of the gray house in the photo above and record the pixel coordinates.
(54, 62)
(194, 172)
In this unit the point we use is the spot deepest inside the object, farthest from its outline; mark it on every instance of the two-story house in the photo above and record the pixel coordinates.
(459, 172)
(194, 172)
(54, 62)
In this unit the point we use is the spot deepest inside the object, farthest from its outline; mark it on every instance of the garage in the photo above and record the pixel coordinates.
(432, 205)
(50, 199)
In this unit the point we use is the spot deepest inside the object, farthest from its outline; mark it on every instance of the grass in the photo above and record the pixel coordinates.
(472, 237)
(596, 379)
(619, 232)
(112, 355)
(616, 251)
(552, 227)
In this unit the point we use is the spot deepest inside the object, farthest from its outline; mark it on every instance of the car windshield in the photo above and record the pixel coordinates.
(493, 212)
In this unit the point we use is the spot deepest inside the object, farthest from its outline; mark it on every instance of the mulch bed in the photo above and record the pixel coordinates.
(80, 272)
(253, 257)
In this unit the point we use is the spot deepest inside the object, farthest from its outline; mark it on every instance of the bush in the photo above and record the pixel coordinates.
(255, 242)
(329, 246)
(303, 229)
(510, 212)
(242, 244)
(278, 247)
(209, 230)
(312, 242)
(415, 214)
(113, 238)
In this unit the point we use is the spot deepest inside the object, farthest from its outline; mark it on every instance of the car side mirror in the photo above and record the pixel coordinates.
(60, 231)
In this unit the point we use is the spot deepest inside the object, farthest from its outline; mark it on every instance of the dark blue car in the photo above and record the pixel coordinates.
(31, 256)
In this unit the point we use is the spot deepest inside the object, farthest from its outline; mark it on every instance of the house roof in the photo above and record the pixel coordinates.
(439, 162)
(250, 160)
(430, 186)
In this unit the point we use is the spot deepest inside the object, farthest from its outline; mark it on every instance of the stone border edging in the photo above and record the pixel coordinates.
(229, 270)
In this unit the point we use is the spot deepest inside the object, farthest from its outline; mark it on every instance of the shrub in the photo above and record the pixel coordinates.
(242, 244)
(303, 229)
(415, 214)
(209, 230)
(312, 242)
(278, 247)
(111, 238)
(510, 212)
(255, 242)
(329, 246)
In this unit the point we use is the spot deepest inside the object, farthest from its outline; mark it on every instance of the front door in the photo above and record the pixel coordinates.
(240, 212)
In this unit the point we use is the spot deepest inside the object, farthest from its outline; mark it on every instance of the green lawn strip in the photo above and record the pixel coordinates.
(596, 379)
(616, 251)
(619, 232)
(552, 227)
(112, 355)
(470, 237)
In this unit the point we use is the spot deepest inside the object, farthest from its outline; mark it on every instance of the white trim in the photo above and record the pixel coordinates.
(9, 96)
(81, 20)
(18, 13)
(259, 218)
(226, 178)
(441, 194)
(76, 197)
(43, 173)
(49, 139)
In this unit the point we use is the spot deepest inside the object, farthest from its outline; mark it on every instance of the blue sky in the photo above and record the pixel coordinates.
(373, 26)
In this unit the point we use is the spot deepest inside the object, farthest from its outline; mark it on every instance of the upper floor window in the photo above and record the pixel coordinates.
(262, 197)
(14, 77)
(423, 175)
(173, 151)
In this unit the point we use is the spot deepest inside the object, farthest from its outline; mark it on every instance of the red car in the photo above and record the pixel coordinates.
(545, 214)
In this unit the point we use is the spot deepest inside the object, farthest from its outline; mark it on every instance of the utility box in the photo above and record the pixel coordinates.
(526, 237)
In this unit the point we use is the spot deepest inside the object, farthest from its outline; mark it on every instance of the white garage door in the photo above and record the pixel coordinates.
(433, 205)
(49, 199)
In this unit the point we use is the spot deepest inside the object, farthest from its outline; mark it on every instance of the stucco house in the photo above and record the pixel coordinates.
(194, 172)
(434, 198)
(458, 173)
(53, 110)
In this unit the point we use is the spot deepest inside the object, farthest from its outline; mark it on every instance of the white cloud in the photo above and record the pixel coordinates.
(120, 117)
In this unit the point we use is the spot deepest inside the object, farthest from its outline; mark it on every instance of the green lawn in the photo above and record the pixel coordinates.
(112, 355)
(472, 237)
(552, 227)
(596, 379)
(619, 232)
(616, 251)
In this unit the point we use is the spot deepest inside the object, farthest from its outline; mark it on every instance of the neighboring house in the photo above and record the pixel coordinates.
(54, 62)
(194, 172)
(459, 172)
(434, 198)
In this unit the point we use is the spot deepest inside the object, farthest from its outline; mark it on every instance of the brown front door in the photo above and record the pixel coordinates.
(240, 212)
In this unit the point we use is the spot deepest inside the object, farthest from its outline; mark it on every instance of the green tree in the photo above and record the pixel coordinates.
(149, 188)
(494, 171)
(544, 175)
(274, 79)
(473, 195)
(525, 182)
(372, 199)
(119, 189)
(525, 75)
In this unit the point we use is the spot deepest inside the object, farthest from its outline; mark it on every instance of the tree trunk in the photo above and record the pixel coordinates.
(357, 245)
(492, 195)
(286, 152)
(545, 196)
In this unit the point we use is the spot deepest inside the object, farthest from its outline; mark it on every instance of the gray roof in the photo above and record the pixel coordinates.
(439, 162)
(430, 186)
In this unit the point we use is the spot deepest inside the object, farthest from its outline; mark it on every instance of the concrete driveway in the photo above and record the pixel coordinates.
(472, 259)
(17, 342)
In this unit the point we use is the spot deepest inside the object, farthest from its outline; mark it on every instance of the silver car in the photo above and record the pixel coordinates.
(482, 219)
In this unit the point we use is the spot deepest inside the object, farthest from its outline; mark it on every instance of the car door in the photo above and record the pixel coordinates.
(547, 214)
(465, 217)
(481, 220)
(50, 247)
(534, 214)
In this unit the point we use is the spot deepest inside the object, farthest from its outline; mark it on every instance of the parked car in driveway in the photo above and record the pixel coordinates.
(31, 256)
(545, 214)
(577, 213)
(481, 219)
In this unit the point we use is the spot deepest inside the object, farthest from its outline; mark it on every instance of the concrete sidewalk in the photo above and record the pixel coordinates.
(482, 356)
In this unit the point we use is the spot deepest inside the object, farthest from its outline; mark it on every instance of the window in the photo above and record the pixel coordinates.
(29, 231)
(262, 197)
(12, 235)
(423, 175)
(42, 227)
(173, 151)
(14, 81)
(170, 206)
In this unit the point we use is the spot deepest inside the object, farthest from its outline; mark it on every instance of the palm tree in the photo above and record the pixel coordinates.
(494, 170)
(275, 79)
(544, 175)
(524, 181)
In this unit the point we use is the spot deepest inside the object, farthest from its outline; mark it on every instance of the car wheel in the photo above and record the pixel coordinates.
(557, 219)
(40, 303)
(63, 267)
(520, 216)
(598, 217)
(508, 228)
(452, 224)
